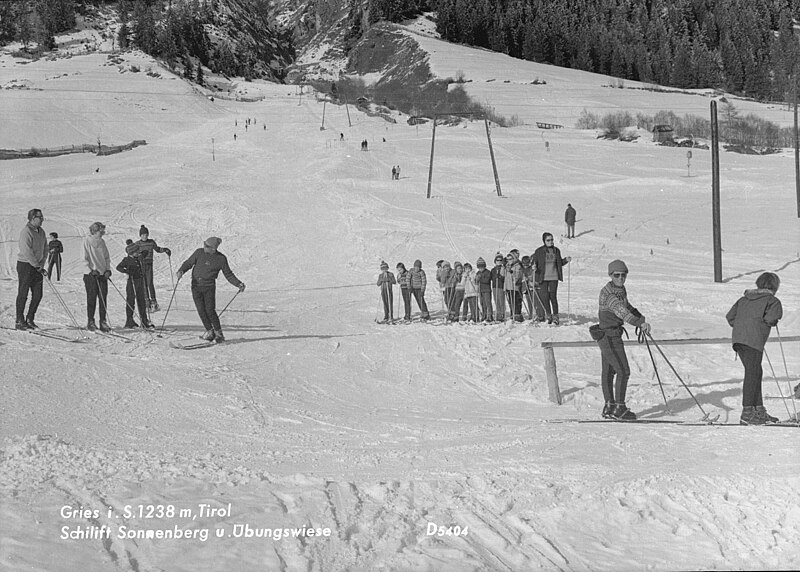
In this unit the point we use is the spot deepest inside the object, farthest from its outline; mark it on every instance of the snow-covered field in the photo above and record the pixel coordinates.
(313, 416)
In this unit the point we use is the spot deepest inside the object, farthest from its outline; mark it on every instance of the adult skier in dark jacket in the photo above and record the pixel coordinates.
(205, 264)
(752, 317)
(134, 291)
(614, 311)
(569, 218)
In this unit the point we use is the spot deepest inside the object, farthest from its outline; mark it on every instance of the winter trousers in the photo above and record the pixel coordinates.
(485, 299)
(448, 294)
(751, 360)
(406, 292)
(515, 304)
(528, 303)
(498, 295)
(388, 300)
(55, 260)
(456, 300)
(134, 295)
(614, 363)
(150, 289)
(205, 300)
(471, 304)
(96, 287)
(548, 292)
(419, 296)
(571, 230)
(31, 280)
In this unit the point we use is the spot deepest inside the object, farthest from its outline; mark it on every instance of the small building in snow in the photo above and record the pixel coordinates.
(662, 133)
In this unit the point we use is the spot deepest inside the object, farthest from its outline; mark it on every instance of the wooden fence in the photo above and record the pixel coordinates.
(554, 393)
(68, 150)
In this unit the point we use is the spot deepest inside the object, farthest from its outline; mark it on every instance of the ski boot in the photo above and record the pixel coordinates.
(622, 413)
(91, 326)
(549, 319)
(761, 412)
(130, 324)
(555, 319)
(218, 337)
(607, 409)
(31, 324)
(751, 417)
(208, 336)
(104, 327)
(22, 325)
(148, 326)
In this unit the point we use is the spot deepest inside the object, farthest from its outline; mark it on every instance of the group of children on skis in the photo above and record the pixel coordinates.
(481, 295)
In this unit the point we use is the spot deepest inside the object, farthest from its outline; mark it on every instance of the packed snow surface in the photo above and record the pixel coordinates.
(317, 439)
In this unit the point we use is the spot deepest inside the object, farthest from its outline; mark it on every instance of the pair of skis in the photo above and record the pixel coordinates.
(700, 423)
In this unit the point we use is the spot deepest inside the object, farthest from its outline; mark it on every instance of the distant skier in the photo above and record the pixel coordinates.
(418, 282)
(385, 283)
(205, 264)
(547, 264)
(614, 311)
(134, 291)
(752, 317)
(498, 292)
(341, 136)
(403, 278)
(147, 247)
(394, 172)
(470, 294)
(397, 173)
(569, 218)
(483, 278)
(454, 291)
(30, 269)
(98, 266)
(55, 248)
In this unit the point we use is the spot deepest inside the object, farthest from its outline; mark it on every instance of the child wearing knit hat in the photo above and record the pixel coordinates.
(385, 282)
(483, 278)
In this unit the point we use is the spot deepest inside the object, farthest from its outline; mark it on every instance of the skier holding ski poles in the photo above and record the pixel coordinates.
(385, 281)
(147, 246)
(30, 269)
(752, 317)
(98, 271)
(134, 292)
(614, 311)
(205, 264)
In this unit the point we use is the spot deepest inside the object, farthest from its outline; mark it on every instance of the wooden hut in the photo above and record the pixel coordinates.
(662, 133)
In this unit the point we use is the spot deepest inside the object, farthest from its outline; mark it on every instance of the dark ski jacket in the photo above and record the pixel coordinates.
(498, 276)
(130, 266)
(539, 260)
(484, 280)
(55, 247)
(386, 277)
(569, 215)
(206, 267)
(752, 317)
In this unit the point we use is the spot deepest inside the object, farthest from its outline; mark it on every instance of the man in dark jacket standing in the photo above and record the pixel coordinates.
(569, 218)
(547, 273)
(752, 317)
(206, 264)
(30, 268)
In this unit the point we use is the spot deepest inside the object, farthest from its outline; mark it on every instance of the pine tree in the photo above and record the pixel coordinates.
(200, 77)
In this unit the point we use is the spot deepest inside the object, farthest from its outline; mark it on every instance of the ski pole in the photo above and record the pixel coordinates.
(705, 415)
(64, 305)
(161, 331)
(229, 303)
(121, 295)
(775, 377)
(569, 282)
(172, 275)
(640, 337)
(786, 369)
(378, 308)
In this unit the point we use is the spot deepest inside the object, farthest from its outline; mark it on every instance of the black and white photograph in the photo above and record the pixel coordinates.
(399, 285)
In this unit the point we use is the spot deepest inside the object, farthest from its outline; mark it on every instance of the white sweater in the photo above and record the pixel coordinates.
(95, 254)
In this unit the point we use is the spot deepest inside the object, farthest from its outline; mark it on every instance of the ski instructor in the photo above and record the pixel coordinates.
(206, 264)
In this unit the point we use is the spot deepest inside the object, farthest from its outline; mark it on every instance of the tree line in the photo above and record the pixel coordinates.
(747, 47)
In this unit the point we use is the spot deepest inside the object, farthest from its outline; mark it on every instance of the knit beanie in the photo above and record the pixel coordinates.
(418, 264)
(481, 262)
(617, 266)
(54, 234)
(143, 230)
(213, 242)
(132, 249)
(384, 266)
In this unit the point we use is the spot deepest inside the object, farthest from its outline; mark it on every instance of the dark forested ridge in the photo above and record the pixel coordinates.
(743, 46)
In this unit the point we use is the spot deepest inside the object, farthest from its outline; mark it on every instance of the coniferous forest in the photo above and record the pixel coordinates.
(746, 47)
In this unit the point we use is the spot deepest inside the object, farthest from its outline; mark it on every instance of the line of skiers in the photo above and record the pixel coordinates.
(481, 296)
(205, 264)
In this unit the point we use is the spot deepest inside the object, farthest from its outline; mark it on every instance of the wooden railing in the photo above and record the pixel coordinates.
(554, 393)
